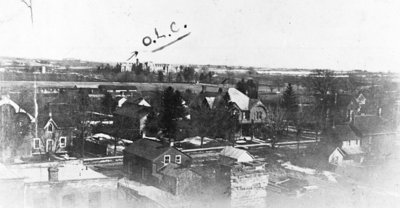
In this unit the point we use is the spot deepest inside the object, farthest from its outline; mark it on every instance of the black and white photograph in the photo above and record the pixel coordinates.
(199, 103)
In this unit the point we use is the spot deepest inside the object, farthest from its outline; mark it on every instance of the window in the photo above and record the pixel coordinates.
(49, 145)
(50, 128)
(259, 115)
(167, 159)
(95, 199)
(63, 141)
(36, 143)
(177, 159)
(68, 201)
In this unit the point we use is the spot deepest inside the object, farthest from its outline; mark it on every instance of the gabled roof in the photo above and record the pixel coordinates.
(6, 100)
(198, 100)
(210, 101)
(132, 110)
(349, 151)
(361, 99)
(241, 100)
(255, 102)
(60, 121)
(344, 100)
(147, 149)
(343, 133)
(352, 150)
(133, 100)
(237, 154)
(370, 125)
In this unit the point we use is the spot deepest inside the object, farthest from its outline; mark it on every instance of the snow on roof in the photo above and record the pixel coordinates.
(65, 173)
(197, 140)
(121, 101)
(210, 101)
(238, 154)
(101, 135)
(241, 100)
(6, 100)
(144, 103)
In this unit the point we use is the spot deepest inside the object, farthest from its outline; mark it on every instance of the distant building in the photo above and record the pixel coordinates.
(117, 90)
(349, 149)
(51, 185)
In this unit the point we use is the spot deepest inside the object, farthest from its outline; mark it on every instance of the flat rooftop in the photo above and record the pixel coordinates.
(65, 172)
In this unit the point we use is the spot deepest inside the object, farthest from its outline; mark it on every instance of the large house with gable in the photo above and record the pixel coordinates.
(250, 112)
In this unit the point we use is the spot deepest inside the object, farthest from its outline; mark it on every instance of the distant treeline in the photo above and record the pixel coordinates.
(12, 76)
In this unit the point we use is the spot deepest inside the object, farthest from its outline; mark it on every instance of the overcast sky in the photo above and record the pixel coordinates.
(340, 34)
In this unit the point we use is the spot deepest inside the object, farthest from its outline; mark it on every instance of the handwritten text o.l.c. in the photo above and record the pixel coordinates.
(174, 28)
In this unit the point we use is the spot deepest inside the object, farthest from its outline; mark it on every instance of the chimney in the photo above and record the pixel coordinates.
(53, 174)
(171, 144)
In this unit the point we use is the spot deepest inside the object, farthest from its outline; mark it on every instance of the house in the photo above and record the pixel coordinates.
(250, 112)
(144, 158)
(12, 115)
(348, 149)
(378, 135)
(179, 180)
(131, 115)
(55, 131)
(232, 154)
(48, 185)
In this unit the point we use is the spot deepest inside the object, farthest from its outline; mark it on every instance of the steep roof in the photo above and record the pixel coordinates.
(343, 100)
(6, 100)
(361, 99)
(241, 100)
(210, 101)
(255, 102)
(147, 149)
(343, 133)
(237, 154)
(131, 110)
(370, 125)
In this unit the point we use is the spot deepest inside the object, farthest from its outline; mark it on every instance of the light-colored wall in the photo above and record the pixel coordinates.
(351, 143)
(336, 158)
(51, 194)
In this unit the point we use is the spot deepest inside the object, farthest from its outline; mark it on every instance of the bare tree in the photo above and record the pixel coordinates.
(275, 123)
